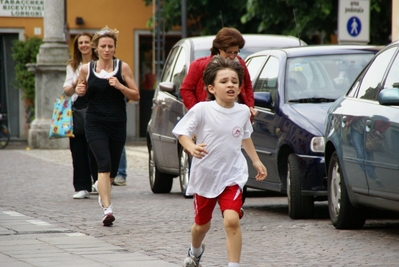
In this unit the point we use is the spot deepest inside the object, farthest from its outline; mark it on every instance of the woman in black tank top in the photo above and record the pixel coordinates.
(108, 82)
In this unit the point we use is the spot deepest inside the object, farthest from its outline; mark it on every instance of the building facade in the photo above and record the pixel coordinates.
(24, 19)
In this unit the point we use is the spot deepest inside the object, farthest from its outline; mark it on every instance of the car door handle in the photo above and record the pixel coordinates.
(368, 125)
(343, 123)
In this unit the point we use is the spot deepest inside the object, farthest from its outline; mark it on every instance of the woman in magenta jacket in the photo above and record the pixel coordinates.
(227, 43)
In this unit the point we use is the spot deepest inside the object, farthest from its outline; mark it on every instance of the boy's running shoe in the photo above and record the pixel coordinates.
(191, 260)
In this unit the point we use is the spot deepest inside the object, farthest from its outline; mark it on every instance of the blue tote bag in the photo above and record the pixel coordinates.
(62, 120)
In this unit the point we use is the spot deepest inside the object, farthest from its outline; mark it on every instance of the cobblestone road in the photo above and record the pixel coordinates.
(38, 183)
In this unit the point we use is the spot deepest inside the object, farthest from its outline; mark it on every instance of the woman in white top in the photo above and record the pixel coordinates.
(83, 161)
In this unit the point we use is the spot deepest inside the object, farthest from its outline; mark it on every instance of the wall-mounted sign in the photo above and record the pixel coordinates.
(22, 8)
(354, 21)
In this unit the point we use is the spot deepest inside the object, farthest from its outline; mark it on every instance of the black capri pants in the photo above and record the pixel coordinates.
(106, 140)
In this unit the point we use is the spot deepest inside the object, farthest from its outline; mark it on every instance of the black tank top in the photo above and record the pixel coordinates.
(106, 103)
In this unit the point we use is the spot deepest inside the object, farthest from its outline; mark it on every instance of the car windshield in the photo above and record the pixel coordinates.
(322, 78)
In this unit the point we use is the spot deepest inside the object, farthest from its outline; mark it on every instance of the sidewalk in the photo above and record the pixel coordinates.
(26, 241)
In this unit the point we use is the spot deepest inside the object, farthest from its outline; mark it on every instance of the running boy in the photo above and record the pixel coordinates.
(219, 170)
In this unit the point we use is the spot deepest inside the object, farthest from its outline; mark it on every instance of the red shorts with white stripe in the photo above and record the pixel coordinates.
(229, 199)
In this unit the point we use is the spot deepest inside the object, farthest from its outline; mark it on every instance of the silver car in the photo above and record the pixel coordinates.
(166, 157)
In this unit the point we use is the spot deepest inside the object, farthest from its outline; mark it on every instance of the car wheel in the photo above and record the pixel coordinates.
(159, 182)
(244, 194)
(343, 214)
(184, 176)
(299, 207)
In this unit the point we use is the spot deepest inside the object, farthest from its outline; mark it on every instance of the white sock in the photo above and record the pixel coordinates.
(233, 264)
(196, 251)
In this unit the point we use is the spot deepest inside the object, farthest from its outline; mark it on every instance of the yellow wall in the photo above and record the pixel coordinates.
(124, 15)
(28, 24)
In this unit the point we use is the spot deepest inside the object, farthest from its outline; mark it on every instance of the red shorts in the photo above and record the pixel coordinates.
(229, 199)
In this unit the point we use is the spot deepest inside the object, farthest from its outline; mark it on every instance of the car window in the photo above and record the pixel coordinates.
(371, 81)
(267, 81)
(180, 69)
(201, 53)
(392, 79)
(169, 64)
(254, 65)
(322, 77)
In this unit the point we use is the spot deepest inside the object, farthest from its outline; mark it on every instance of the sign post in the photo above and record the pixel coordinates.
(354, 22)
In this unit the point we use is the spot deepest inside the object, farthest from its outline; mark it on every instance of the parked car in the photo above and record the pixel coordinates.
(293, 88)
(166, 160)
(362, 143)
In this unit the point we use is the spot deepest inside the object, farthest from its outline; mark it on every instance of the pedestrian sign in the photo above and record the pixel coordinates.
(354, 21)
(354, 26)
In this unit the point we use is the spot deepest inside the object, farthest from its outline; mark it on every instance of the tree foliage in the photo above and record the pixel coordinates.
(306, 18)
(24, 52)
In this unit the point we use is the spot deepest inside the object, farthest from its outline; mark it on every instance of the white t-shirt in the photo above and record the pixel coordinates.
(71, 78)
(222, 130)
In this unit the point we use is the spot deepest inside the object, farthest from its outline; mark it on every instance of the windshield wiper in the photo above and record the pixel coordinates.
(312, 100)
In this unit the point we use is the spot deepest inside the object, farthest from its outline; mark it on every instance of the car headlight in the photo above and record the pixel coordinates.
(317, 144)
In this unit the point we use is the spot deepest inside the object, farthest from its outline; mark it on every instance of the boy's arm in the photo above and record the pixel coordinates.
(195, 150)
(248, 146)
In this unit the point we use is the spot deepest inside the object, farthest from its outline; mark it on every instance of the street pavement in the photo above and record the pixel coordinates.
(28, 239)
(41, 225)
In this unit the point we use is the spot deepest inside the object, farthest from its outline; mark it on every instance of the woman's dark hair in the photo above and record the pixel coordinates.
(225, 38)
(216, 64)
(77, 55)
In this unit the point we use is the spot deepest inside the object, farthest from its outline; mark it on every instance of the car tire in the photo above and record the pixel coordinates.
(244, 194)
(184, 172)
(343, 214)
(160, 182)
(299, 207)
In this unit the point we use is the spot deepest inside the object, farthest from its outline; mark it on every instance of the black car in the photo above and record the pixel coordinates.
(166, 160)
(362, 143)
(293, 89)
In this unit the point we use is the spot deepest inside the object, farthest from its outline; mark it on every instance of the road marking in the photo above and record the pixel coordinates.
(13, 213)
(75, 234)
(38, 222)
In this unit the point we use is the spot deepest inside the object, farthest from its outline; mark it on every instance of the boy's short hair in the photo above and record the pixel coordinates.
(219, 63)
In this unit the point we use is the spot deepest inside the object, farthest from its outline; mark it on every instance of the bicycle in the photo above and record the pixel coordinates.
(4, 133)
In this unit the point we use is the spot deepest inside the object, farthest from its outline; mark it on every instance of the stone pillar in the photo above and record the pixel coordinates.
(50, 71)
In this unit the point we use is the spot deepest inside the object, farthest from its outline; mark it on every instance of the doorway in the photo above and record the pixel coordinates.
(9, 94)
(147, 78)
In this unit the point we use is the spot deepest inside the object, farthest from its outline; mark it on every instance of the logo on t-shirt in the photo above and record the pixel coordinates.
(237, 131)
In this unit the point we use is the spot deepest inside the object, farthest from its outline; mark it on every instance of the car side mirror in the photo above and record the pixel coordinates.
(167, 87)
(389, 97)
(263, 99)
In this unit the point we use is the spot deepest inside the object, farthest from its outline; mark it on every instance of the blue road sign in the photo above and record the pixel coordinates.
(354, 26)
